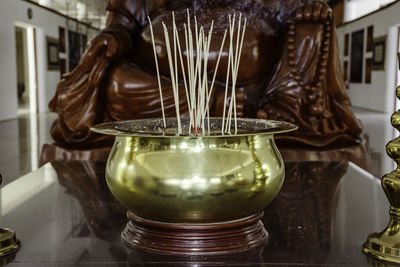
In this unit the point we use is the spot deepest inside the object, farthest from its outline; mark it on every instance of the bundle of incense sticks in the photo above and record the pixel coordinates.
(196, 82)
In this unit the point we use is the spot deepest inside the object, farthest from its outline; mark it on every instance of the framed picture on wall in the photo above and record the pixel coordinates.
(357, 56)
(370, 38)
(378, 62)
(52, 53)
(368, 70)
(346, 44)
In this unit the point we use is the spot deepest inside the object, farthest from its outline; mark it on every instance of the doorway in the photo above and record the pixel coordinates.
(25, 42)
(27, 92)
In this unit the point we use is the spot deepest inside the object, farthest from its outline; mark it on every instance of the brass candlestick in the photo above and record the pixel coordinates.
(9, 244)
(386, 244)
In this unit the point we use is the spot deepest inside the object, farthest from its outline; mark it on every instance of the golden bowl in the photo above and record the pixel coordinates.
(213, 178)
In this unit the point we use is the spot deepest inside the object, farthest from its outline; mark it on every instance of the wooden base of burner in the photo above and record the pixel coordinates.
(194, 239)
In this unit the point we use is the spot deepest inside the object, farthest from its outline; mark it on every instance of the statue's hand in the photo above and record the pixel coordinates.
(317, 11)
(97, 56)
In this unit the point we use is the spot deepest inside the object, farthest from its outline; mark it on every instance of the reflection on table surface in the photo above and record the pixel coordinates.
(65, 215)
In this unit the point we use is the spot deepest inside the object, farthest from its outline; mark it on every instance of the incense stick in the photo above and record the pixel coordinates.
(238, 64)
(184, 76)
(233, 66)
(234, 75)
(204, 81)
(158, 74)
(207, 96)
(231, 25)
(176, 75)
(171, 66)
(192, 77)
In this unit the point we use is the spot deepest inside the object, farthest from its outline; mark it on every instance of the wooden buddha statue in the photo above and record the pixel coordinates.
(289, 70)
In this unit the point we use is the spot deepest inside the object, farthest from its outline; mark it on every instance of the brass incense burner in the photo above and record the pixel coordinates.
(194, 185)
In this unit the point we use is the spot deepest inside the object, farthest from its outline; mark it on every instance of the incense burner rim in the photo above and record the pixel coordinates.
(271, 127)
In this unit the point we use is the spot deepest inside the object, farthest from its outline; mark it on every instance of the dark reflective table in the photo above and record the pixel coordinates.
(64, 215)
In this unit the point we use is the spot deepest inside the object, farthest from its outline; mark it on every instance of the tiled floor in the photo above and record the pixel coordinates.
(21, 141)
(20, 144)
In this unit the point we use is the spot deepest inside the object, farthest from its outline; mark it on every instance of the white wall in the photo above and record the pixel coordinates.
(379, 95)
(46, 24)
(358, 8)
